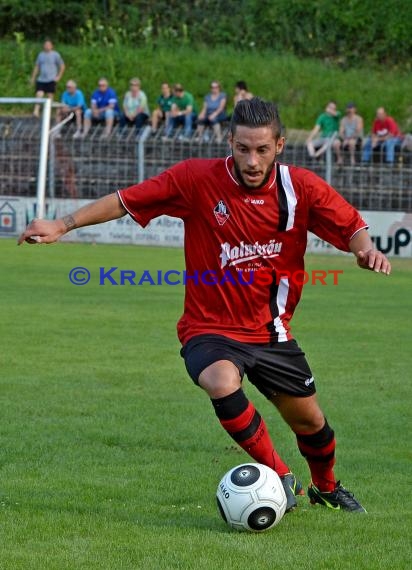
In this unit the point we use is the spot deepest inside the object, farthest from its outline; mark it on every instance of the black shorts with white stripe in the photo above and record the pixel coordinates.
(274, 368)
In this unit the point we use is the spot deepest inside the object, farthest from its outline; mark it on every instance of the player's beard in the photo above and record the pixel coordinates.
(242, 181)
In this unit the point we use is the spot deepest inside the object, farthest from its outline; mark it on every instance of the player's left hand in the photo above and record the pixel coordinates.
(374, 260)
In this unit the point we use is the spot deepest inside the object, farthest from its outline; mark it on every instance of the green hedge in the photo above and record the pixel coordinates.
(347, 32)
(301, 86)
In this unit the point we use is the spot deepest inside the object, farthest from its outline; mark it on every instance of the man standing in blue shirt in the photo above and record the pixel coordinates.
(72, 102)
(104, 107)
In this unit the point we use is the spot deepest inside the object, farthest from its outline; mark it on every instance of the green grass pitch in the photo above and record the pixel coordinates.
(110, 457)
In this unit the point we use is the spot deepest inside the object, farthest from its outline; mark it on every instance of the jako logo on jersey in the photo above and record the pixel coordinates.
(309, 381)
(254, 201)
(248, 251)
(221, 213)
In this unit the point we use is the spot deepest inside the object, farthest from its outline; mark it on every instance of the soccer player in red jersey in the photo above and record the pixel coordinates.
(246, 218)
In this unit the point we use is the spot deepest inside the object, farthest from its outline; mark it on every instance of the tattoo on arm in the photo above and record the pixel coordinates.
(69, 222)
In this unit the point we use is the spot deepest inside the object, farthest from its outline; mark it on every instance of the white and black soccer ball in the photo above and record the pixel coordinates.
(251, 497)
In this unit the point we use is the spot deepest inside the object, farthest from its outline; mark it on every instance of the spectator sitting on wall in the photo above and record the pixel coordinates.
(350, 134)
(135, 107)
(48, 69)
(407, 138)
(183, 112)
(213, 111)
(164, 104)
(241, 92)
(72, 102)
(104, 108)
(385, 135)
(327, 124)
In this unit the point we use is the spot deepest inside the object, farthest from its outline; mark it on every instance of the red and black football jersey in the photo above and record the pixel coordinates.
(232, 232)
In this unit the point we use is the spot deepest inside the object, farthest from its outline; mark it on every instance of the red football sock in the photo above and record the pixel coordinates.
(248, 429)
(319, 451)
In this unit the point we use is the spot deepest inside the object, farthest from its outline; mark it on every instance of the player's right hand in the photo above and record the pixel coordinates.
(42, 231)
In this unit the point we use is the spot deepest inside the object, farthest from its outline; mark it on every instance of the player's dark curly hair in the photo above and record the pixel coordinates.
(255, 113)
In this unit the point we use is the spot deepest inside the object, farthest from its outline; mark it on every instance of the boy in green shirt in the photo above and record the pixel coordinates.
(182, 113)
(327, 124)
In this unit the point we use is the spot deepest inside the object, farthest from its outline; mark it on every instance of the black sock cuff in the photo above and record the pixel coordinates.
(318, 439)
(231, 406)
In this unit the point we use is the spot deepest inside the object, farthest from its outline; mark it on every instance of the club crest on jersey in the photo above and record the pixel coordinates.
(221, 213)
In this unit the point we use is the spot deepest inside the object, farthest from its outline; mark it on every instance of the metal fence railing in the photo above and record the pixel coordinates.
(95, 166)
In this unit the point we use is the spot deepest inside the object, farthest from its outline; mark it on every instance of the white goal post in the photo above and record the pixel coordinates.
(46, 105)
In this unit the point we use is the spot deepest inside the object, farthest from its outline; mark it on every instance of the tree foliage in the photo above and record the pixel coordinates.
(351, 32)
